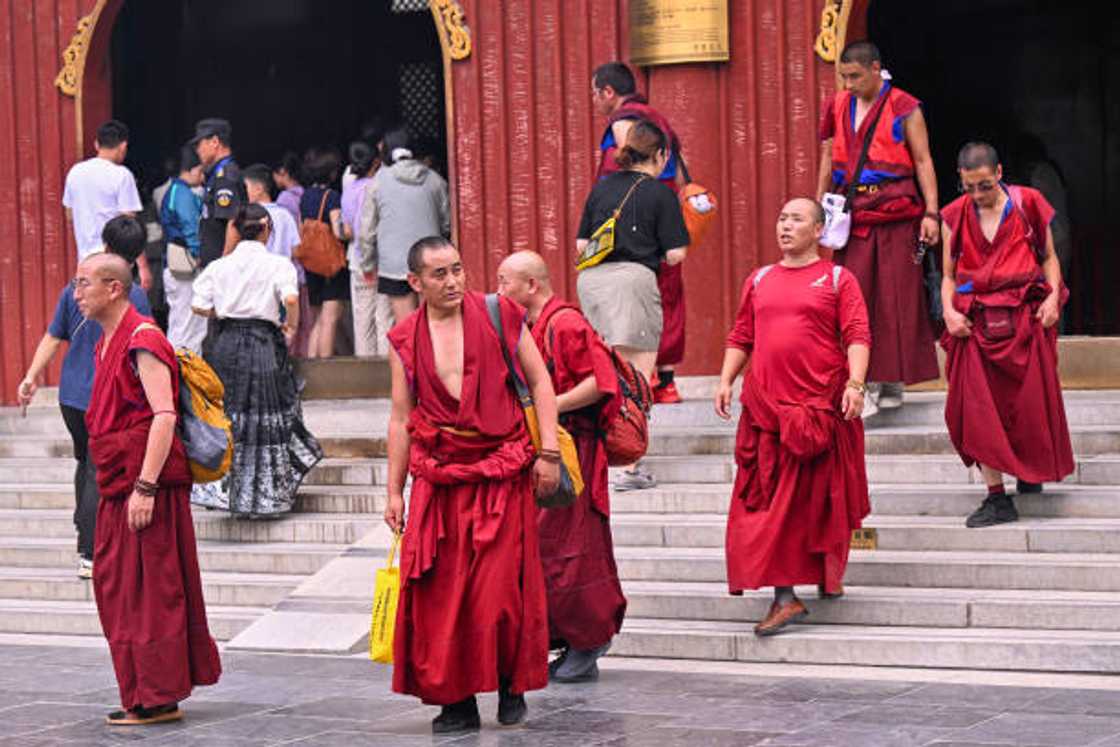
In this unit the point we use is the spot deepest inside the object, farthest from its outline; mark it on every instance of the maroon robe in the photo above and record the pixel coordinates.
(472, 605)
(585, 601)
(801, 483)
(1004, 407)
(886, 216)
(147, 583)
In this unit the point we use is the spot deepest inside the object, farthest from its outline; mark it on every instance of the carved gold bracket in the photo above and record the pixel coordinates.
(827, 39)
(454, 34)
(74, 56)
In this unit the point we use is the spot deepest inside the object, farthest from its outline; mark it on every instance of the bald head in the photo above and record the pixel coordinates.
(812, 208)
(109, 267)
(523, 277)
(800, 224)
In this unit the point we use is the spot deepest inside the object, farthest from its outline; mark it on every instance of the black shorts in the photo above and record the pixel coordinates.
(321, 289)
(396, 288)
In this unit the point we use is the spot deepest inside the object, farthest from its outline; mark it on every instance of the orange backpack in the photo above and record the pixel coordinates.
(319, 250)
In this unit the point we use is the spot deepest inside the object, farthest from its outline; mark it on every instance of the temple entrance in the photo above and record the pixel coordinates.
(1039, 80)
(287, 74)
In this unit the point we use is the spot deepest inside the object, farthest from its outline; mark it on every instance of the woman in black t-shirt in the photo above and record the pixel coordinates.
(619, 296)
(327, 295)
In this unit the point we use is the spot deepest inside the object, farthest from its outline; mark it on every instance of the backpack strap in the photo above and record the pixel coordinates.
(493, 308)
(761, 274)
(323, 202)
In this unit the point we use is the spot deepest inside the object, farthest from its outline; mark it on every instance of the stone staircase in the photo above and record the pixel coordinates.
(1042, 594)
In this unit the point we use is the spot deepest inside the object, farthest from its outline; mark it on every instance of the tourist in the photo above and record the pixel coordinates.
(180, 216)
(327, 295)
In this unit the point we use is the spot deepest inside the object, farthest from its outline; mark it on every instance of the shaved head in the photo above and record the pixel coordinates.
(528, 265)
(523, 277)
(815, 211)
(110, 267)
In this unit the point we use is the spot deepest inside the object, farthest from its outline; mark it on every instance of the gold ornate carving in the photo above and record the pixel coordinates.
(74, 56)
(826, 46)
(454, 34)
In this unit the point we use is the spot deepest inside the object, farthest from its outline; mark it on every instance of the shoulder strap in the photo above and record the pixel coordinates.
(761, 274)
(143, 325)
(493, 308)
(854, 180)
(549, 336)
(618, 210)
(323, 202)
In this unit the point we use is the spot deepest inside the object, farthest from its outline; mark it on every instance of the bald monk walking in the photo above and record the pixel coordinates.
(894, 206)
(145, 572)
(1003, 293)
(472, 615)
(585, 601)
(801, 336)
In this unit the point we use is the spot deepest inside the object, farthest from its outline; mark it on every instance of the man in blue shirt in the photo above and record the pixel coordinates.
(124, 236)
(180, 214)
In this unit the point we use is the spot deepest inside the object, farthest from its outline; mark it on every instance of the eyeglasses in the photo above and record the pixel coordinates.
(984, 186)
(84, 283)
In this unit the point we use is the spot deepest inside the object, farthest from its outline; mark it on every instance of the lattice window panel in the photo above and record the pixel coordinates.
(422, 98)
(409, 6)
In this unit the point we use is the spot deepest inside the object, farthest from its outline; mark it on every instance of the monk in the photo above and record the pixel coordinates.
(893, 208)
(472, 615)
(145, 578)
(801, 335)
(1003, 294)
(585, 601)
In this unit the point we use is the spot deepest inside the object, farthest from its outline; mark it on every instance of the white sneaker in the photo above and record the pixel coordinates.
(890, 396)
(635, 480)
(85, 568)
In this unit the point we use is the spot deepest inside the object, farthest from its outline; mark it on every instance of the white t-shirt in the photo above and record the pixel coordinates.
(248, 283)
(98, 190)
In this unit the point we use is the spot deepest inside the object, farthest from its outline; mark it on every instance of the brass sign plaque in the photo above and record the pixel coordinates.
(663, 32)
(865, 539)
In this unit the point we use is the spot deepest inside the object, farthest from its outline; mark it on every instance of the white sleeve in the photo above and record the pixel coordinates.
(286, 281)
(128, 198)
(202, 291)
(68, 193)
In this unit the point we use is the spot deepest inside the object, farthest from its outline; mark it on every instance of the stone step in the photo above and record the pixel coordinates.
(884, 606)
(1091, 470)
(931, 533)
(1063, 500)
(41, 470)
(34, 616)
(899, 568)
(281, 558)
(210, 525)
(226, 589)
(938, 648)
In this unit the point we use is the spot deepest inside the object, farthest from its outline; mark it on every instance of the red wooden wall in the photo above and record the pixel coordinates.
(526, 138)
(523, 152)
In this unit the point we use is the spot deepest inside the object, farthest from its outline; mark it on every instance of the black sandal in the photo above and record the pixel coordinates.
(141, 716)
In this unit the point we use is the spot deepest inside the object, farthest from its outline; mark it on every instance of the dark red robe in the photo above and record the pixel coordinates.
(472, 605)
(885, 221)
(147, 583)
(1004, 407)
(801, 483)
(585, 601)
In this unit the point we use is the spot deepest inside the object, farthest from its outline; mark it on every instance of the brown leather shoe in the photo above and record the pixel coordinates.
(780, 616)
(822, 594)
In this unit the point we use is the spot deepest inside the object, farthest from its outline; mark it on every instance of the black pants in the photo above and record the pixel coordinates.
(85, 481)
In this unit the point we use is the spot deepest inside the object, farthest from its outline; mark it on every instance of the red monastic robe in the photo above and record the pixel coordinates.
(585, 601)
(472, 605)
(1004, 407)
(801, 484)
(885, 220)
(147, 583)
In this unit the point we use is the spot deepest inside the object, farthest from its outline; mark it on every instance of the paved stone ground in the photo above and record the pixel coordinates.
(58, 695)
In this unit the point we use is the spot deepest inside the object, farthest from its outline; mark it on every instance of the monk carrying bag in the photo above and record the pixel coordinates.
(838, 207)
(571, 481)
(601, 243)
(204, 428)
(386, 592)
(319, 250)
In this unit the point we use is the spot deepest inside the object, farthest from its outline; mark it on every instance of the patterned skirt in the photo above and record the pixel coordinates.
(272, 450)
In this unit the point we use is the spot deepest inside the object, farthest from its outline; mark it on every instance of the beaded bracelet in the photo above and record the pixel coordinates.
(145, 488)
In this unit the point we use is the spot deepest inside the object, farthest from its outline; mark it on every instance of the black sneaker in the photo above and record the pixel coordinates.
(996, 509)
(512, 709)
(1022, 487)
(457, 717)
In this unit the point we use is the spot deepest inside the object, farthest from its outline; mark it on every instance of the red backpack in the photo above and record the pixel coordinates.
(625, 428)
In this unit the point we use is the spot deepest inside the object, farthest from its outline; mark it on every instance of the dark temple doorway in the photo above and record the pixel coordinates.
(288, 74)
(1040, 80)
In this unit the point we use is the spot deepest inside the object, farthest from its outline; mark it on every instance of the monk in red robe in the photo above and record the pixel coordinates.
(585, 601)
(472, 615)
(802, 336)
(894, 206)
(145, 578)
(1003, 293)
(615, 95)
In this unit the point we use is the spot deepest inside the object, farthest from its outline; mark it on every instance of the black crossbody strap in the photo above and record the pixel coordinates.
(520, 387)
(854, 180)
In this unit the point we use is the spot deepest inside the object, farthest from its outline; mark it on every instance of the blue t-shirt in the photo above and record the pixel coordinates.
(313, 198)
(77, 367)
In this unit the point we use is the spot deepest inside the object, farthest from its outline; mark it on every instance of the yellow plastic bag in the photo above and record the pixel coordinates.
(386, 591)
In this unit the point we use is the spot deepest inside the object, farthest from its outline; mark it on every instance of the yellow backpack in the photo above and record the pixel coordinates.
(204, 427)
